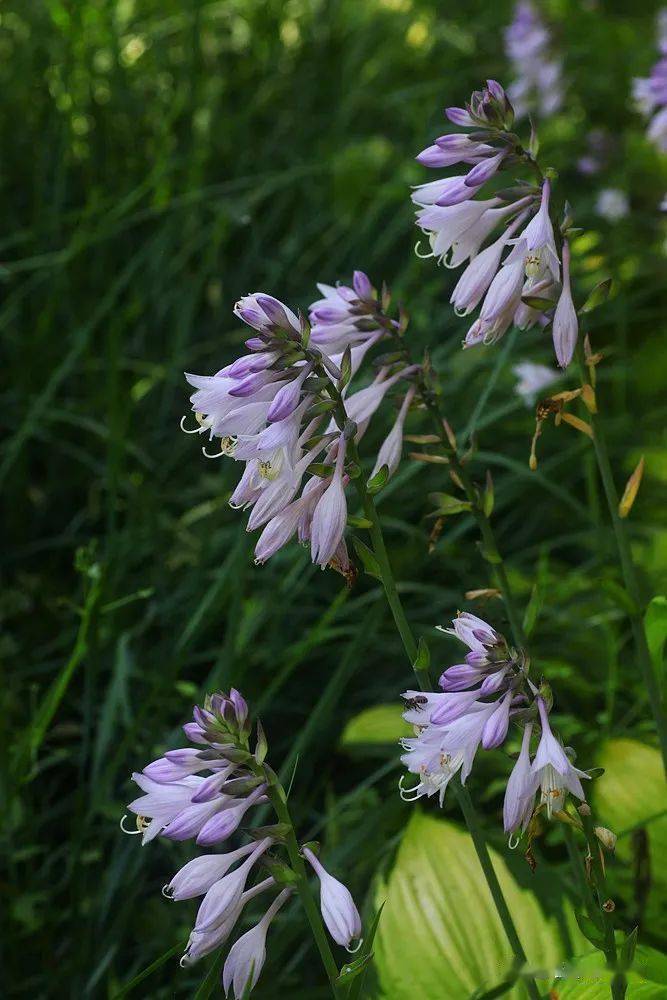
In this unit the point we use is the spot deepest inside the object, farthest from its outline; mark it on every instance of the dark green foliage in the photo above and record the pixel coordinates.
(158, 160)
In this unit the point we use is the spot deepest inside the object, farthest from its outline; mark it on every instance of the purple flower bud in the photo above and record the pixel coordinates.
(278, 313)
(226, 893)
(223, 825)
(338, 910)
(495, 727)
(197, 876)
(493, 682)
(495, 90)
(240, 706)
(362, 285)
(459, 677)
(330, 514)
(285, 400)
(459, 116)
(565, 325)
(246, 957)
(481, 173)
(453, 706)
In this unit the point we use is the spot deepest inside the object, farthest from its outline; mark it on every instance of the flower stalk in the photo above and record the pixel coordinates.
(276, 796)
(421, 672)
(490, 549)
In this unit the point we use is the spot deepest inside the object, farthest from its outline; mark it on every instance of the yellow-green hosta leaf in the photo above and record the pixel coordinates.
(381, 724)
(440, 937)
(632, 794)
(587, 978)
(597, 986)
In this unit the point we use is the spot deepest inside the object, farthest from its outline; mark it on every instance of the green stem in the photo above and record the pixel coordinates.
(490, 548)
(630, 579)
(277, 798)
(619, 983)
(411, 648)
(470, 816)
(388, 581)
(464, 800)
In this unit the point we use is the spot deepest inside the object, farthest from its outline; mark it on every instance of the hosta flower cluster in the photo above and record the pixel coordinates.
(203, 793)
(651, 92)
(285, 410)
(479, 699)
(516, 279)
(538, 72)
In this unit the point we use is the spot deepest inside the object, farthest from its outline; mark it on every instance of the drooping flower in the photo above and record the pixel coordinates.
(538, 73)
(555, 773)
(515, 280)
(389, 454)
(565, 324)
(650, 92)
(479, 700)
(246, 957)
(330, 514)
(521, 788)
(338, 910)
(182, 803)
(267, 407)
(451, 726)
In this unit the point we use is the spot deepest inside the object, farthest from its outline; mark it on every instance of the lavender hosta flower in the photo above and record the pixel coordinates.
(651, 92)
(284, 525)
(267, 407)
(227, 820)
(197, 876)
(565, 324)
(337, 906)
(247, 955)
(521, 289)
(361, 406)
(389, 454)
(500, 302)
(169, 809)
(330, 514)
(532, 378)
(537, 84)
(237, 780)
(478, 276)
(612, 204)
(552, 768)
(474, 632)
(347, 316)
(541, 255)
(226, 893)
(201, 943)
(451, 726)
(521, 787)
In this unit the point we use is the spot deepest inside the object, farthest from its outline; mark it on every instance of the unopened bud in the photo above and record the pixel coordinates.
(606, 837)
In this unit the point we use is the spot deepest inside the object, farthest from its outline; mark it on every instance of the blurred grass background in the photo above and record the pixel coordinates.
(159, 160)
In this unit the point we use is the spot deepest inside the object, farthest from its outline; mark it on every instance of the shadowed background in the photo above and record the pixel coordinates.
(158, 161)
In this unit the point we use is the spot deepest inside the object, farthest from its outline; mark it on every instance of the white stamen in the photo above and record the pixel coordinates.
(422, 256)
(193, 430)
(140, 820)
